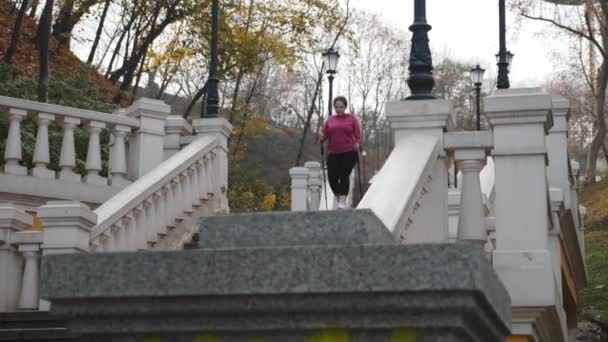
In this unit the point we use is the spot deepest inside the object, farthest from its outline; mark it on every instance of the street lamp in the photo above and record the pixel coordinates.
(477, 78)
(331, 58)
(504, 57)
(421, 80)
(213, 98)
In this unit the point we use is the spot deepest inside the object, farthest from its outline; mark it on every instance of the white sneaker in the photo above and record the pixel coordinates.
(341, 205)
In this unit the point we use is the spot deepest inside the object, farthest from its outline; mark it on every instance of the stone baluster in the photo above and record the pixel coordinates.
(118, 157)
(67, 227)
(161, 209)
(41, 150)
(299, 181)
(202, 181)
(93, 165)
(196, 195)
(178, 197)
(314, 184)
(67, 160)
(128, 221)
(152, 221)
(12, 221)
(141, 223)
(470, 153)
(169, 206)
(12, 154)
(186, 200)
(28, 243)
(209, 174)
(556, 196)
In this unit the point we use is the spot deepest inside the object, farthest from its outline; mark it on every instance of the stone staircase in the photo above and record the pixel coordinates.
(290, 276)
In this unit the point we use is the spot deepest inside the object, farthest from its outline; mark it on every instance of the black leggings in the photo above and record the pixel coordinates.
(339, 167)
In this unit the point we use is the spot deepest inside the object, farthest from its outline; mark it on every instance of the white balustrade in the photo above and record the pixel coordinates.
(315, 184)
(145, 209)
(299, 179)
(118, 156)
(93, 166)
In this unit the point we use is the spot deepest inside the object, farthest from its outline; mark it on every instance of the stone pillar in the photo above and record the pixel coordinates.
(314, 184)
(67, 227)
(146, 144)
(12, 221)
(520, 119)
(175, 128)
(470, 152)
(299, 180)
(29, 247)
(221, 129)
(557, 148)
(12, 154)
(432, 118)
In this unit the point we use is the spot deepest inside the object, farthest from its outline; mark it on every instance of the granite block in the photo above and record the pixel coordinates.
(343, 227)
(443, 292)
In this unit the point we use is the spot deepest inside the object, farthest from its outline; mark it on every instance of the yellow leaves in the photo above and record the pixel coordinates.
(270, 200)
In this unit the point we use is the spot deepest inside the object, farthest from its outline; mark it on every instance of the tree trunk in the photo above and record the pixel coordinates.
(118, 44)
(34, 8)
(192, 103)
(42, 41)
(64, 25)
(600, 135)
(10, 52)
(102, 20)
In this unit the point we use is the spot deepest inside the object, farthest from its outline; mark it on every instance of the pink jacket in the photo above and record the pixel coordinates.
(343, 132)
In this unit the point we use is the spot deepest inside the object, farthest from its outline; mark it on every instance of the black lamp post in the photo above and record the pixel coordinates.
(504, 57)
(477, 78)
(331, 58)
(421, 80)
(213, 98)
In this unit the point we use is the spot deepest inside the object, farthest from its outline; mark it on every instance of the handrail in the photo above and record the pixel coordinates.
(398, 185)
(87, 115)
(118, 206)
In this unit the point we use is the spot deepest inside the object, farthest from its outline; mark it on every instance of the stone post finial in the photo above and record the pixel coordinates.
(67, 227)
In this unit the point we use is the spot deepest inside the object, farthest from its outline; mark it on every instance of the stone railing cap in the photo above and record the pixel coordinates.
(149, 108)
(9, 211)
(27, 237)
(468, 140)
(177, 125)
(298, 171)
(67, 209)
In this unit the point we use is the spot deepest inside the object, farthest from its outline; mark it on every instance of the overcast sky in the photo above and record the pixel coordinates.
(468, 30)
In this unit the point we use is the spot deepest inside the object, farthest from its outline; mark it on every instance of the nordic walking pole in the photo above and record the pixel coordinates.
(359, 173)
(323, 171)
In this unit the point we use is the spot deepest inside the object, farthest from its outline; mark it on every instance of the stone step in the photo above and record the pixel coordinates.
(32, 326)
(275, 229)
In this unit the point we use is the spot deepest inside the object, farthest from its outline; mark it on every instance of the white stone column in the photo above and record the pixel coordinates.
(67, 160)
(314, 184)
(194, 177)
(151, 220)
(202, 181)
(93, 165)
(470, 152)
(176, 127)
(221, 129)
(299, 181)
(433, 118)
(41, 150)
(28, 243)
(12, 221)
(186, 200)
(520, 119)
(170, 205)
(556, 197)
(118, 157)
(12, 154)
(67, 227)
(146, 144)
(557, 147)
(141, 212)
